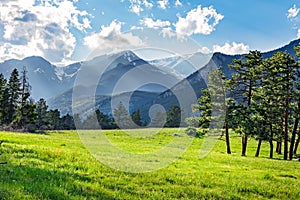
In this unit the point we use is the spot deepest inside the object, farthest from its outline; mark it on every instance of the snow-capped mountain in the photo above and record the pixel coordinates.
(182, 66)
(41, 74)
(121, 73)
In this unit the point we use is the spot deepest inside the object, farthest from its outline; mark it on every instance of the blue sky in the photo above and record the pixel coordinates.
(65, 31)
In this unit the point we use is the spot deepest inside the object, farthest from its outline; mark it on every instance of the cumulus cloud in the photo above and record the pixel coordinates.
(204, 50)
(150, 23)
(168, 32)
(198, 21)
(293, 12)
(231, 49)
(137, 6)
(163, 4)
(42, 29)
(110, 38)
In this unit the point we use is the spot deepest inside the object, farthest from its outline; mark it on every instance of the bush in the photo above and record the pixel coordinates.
(31, 128)
(193, 132)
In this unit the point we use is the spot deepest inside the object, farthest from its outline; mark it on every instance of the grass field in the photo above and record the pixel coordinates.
(56, 165)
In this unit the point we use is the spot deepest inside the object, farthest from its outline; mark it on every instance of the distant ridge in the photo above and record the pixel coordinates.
(56, 83)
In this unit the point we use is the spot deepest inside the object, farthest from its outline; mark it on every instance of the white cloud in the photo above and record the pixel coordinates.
(167, 32)
(204, 50)
(136, 28)
(147, 4)
(110, 38)
(137, 6)
(178, 3)
(150, 23)
(293, 12)
(163, 4)
(40, 29)
(298, 34)
(231, 49)
(198, 21)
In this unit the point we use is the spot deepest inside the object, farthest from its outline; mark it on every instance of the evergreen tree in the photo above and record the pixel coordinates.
(26, 114)
(213, 100)
(136, 118)
(3, 99)
(67, 122)
(104, 121)
(14, 95)
(42, 118)
(173, 116)
(285, 68)
(242, 86)
(54, 119)
(122, 117)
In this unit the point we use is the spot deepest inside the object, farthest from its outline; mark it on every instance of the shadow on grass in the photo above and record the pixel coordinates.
(37, 183)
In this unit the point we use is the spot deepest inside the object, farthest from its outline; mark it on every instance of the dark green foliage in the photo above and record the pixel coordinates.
(243, 85)
(136, 118)
(211, 107)
(67, 122)
(19, 112)
(192, 131)
(3, 100)
(14, 92)
(173, 116)
(26, 114)
(54, 119)
(41, 110)
(104, 121)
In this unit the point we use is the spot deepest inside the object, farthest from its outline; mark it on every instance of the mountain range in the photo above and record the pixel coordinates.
(107, 79)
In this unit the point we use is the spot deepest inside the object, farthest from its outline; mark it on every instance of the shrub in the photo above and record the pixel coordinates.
(192, 131)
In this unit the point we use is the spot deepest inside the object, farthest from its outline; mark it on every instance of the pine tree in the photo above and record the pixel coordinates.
(173, 116)
(26, 114)
(53, 117)
(286, 67)
(212, 106)
(14, 92)
(242, 86)
(136, 118)
(104, 121)
(122, 117)
(41, 110)
(67, 122)
(3, 99)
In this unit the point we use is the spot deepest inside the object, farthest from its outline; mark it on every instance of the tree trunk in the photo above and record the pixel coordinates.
(244, 145)
(227, 138)
(291, 153)
(271, 148)
(278, 147)
(286, 119)
(286, 136)
(258, 148)
(271, 141)
(296, 145)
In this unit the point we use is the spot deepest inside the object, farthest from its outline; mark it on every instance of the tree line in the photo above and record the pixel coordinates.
(124, 120)
(262, 101)
(19, 112)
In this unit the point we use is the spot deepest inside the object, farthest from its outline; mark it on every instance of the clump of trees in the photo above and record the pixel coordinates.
(262, 101)
(124, 120)
(19, 112)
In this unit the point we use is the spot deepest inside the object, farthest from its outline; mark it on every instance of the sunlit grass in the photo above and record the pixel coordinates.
(56, 165)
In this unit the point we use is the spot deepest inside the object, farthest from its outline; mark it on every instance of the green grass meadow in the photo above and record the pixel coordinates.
(56, 165)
